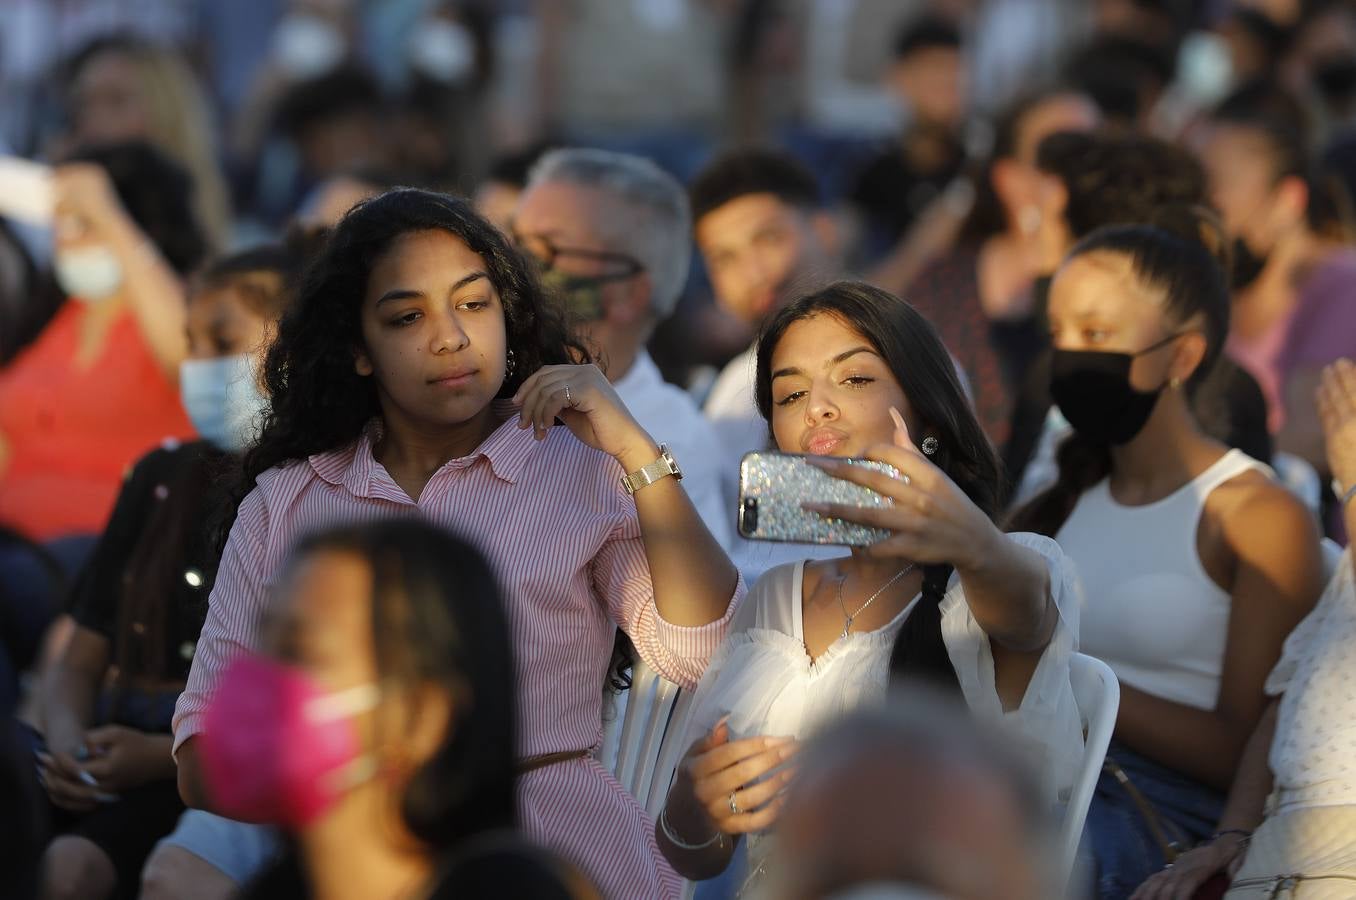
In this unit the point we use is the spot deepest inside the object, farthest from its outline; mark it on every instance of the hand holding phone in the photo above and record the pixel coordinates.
(26, 191)
(773, 488)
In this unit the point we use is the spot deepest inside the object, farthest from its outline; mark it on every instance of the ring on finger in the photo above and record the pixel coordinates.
(568, 401)
(734, 804)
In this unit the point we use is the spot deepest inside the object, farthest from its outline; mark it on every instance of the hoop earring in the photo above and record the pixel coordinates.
(930, 445)
(510, 365)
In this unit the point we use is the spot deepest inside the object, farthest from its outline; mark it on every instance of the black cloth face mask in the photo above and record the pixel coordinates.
(1093, 392)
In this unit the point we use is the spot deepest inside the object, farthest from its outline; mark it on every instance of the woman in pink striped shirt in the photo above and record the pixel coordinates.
(418, 355)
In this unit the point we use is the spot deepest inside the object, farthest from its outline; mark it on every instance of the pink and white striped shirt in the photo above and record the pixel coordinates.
(564, 539)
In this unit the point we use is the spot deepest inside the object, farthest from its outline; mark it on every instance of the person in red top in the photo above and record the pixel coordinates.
(98, 387)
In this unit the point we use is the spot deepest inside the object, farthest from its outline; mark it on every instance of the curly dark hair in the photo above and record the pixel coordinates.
(319, 402)
(1116, 179)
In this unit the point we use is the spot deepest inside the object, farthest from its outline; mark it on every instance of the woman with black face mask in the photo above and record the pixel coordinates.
(1195, 563)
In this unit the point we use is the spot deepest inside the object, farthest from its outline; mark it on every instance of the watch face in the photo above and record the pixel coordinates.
(672, 463)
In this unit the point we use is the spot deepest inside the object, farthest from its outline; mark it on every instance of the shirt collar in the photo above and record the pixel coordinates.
(507, 450)
(642, 376)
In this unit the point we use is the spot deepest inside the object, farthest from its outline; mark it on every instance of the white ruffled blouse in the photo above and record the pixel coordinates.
(763, 678)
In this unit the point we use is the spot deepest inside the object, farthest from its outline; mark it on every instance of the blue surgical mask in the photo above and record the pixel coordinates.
(223, 400)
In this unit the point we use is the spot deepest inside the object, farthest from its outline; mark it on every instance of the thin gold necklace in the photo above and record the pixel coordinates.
(849, 619)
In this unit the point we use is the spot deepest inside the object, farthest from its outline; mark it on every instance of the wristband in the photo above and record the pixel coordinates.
(674, 839)
(1243, 834)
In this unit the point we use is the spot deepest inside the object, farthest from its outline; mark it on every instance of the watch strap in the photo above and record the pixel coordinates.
(660, 469)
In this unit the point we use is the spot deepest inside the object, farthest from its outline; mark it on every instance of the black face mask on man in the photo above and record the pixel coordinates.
(1093, 392)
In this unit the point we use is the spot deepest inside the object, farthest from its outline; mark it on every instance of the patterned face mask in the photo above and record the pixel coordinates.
(581, 294)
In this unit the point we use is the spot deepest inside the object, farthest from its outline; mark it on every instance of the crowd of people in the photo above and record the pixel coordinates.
(374, 398)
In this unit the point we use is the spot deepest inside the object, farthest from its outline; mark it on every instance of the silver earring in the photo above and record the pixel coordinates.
(510, 365)
(929, 445)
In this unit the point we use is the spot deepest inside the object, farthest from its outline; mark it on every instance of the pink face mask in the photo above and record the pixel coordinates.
(277, 748)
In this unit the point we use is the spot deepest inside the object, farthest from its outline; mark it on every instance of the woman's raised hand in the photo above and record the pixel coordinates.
(85, 198)
(931, 518)
(582, 398)
(725, 775)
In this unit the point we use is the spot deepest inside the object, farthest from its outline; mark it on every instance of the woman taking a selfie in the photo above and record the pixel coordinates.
(853, 372)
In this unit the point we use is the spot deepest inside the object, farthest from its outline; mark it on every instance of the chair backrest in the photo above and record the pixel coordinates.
(1097, 694)
(1296, 474)
(632, 738)
(1332, 557)
(671, 752)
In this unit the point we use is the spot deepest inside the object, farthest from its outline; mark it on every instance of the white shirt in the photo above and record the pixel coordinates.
(731, 410)
(1153, 613)
(670, 416)
(764, 680)
(1315, 745)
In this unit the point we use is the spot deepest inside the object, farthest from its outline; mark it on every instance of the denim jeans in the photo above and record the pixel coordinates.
(1123, 844)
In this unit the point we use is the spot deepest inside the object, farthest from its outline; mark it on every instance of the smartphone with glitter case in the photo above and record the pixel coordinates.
(772, 487)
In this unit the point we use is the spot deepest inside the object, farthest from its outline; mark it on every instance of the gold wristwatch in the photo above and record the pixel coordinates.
(661, 468)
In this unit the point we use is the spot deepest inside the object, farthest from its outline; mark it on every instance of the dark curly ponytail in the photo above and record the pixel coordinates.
(909, 345)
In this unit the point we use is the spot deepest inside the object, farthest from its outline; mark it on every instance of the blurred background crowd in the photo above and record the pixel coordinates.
(294, 109)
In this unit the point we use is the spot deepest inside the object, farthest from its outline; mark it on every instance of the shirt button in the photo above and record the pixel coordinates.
(193, 577)
(161, 492)
(187, 649)
(138, 628)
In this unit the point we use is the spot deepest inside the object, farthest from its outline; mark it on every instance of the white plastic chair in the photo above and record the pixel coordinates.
(1097, 694)
(671, 752)
(1297, 475)
(1332, 557)
(633, 736)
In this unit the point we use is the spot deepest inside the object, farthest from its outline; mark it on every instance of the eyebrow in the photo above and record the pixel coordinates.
(845, 355)
(408, 293)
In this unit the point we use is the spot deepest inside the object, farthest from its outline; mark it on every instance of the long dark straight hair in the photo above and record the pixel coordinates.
(916, 357)
(1182, 261)
(437, 618)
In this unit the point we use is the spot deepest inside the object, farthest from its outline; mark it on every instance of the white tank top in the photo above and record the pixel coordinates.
(1150, 609)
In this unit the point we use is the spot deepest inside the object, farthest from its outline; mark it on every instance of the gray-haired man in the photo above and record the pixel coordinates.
(613, 233)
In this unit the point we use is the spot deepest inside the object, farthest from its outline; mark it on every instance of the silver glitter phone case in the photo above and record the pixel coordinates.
(772, 487)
